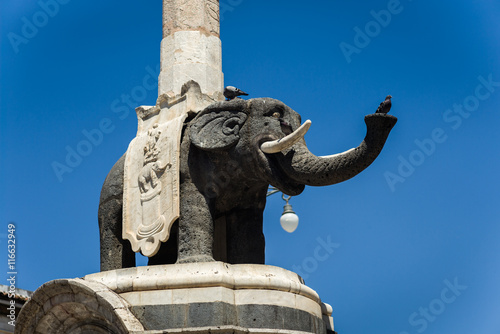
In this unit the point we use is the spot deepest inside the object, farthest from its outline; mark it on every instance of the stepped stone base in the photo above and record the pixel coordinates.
(183, 298)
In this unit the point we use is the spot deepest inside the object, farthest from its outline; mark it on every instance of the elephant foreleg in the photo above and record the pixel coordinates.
(245, 236)
(196, 226)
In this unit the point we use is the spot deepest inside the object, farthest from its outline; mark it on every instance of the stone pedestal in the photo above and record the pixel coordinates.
(183, 298)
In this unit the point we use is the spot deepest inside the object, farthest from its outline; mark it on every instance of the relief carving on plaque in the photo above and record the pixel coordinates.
(150, 187)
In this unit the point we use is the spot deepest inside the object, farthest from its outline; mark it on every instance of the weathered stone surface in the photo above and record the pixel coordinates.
(208, 274)
(272, 318)
(279, 318)
(191, 55)
(201, 15)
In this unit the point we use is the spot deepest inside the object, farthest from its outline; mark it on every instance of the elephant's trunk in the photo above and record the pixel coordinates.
(304, 167)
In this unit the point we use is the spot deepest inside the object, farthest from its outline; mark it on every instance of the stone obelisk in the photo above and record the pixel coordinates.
(191, 47)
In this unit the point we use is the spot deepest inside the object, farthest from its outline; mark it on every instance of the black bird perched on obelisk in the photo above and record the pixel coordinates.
(385, 106)
(231, 92)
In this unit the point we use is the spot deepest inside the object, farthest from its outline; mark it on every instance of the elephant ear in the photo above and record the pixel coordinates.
(217, 130)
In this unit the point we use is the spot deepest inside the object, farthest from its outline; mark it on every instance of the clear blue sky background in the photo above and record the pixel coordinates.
(396, 244)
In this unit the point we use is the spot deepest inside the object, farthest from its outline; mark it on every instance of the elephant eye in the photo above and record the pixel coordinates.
(276, 115)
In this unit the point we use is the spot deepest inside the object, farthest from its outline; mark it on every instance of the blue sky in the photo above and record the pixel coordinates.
(423, 217)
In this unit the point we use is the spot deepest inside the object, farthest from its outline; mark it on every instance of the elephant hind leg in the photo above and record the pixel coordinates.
(116, 253)
(245, 236)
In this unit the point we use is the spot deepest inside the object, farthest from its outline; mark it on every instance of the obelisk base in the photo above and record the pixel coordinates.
(183, 298)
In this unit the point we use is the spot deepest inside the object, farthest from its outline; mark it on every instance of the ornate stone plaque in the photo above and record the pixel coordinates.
(151, 181)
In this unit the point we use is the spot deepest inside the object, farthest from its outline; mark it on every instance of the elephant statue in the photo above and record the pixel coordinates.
(230, 153)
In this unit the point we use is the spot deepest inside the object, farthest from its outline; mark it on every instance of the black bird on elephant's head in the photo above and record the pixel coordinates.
(385, 106)
(231, 92)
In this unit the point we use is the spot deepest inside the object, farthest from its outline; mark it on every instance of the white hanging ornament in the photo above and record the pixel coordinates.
(289, 220)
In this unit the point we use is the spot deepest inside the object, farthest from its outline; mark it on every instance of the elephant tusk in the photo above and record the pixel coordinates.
(281, 144)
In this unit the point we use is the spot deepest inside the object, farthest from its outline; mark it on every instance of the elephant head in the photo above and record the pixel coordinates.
(269, 135)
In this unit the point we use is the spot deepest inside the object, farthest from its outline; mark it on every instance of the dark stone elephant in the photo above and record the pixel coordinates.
(224, 176)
